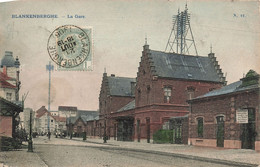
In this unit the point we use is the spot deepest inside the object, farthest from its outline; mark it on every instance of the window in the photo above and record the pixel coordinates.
(200, 127)
(9, 96)
(190, 92)
(167, 94)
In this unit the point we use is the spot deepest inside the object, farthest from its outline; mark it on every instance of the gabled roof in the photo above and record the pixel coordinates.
(120, 86)
(5, 84)
(249, 82)
(86, 115)
(224, 90)
(173, 65)
(67, 108)
(41, 111)
(15, 107)
(4, 76)
(129, 106)
(3, 81)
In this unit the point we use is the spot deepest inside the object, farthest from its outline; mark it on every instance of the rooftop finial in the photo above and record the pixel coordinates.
(105, 70)
(210, 48)
(186, 7)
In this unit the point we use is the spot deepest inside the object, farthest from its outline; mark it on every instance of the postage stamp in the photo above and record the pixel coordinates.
(70, 47)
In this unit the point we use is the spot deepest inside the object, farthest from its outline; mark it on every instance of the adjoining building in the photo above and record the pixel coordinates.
(81, 121)
(228, 117)
(10, 106)
(115, 93)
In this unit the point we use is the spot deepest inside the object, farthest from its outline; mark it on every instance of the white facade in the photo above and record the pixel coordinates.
(42, 124)
(8, 93)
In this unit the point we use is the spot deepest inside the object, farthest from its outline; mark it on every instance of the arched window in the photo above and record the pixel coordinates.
(200, 126)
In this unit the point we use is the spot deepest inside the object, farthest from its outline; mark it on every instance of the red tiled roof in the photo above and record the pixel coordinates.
(4, 76)
(3, 81)
(41, 111)
(5, 84)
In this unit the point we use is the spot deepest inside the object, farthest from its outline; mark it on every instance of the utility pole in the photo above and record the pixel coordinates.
(50, 68)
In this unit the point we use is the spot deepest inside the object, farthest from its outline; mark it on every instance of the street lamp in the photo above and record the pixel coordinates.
(30, 143)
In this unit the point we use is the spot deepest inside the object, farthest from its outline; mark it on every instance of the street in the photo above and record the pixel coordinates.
(94, 153)
(55, 155)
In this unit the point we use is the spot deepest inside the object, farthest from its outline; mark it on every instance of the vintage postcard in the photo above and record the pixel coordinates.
(129, 83)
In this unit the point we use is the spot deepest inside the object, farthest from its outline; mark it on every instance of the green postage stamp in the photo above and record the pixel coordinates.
(70, 47)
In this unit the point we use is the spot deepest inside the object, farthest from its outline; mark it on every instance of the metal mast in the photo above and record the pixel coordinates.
(50, 68)
(181, 37)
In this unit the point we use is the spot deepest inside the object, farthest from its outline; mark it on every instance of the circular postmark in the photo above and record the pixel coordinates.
(69, 46)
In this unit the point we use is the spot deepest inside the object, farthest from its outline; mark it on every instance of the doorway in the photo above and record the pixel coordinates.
(248, 131)
(220, 131)
(148, 129)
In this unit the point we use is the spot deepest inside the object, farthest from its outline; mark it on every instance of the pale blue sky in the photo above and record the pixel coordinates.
(119, 33)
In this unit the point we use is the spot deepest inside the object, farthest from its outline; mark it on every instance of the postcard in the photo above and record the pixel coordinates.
(60, 59)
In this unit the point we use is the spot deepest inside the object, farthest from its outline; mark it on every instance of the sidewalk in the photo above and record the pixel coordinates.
(20, 158)
(234, 155)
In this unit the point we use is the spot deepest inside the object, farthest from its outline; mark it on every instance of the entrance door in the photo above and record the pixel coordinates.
(220, 131)
(248, 131)
(138, 130)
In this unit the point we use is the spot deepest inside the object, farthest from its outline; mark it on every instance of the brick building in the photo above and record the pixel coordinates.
(165, 81)
(115, 93)
(228, 117)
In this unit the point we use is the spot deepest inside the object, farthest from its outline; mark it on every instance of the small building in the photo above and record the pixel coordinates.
(42, 123)
(10, 106)
(228, 117)
(78, 124)
(9, 117)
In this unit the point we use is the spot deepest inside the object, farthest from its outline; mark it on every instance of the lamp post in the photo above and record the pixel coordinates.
(50, 68)
(105, 129)
(18, 83)
(30, 143)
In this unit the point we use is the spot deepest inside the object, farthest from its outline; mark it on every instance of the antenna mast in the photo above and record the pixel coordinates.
(181, 37)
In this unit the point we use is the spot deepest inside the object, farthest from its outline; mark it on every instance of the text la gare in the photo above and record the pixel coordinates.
(75, 16)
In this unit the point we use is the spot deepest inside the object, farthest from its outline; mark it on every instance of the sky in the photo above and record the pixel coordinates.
(119, 32)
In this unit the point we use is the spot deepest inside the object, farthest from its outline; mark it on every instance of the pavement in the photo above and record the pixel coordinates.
(233, 157)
